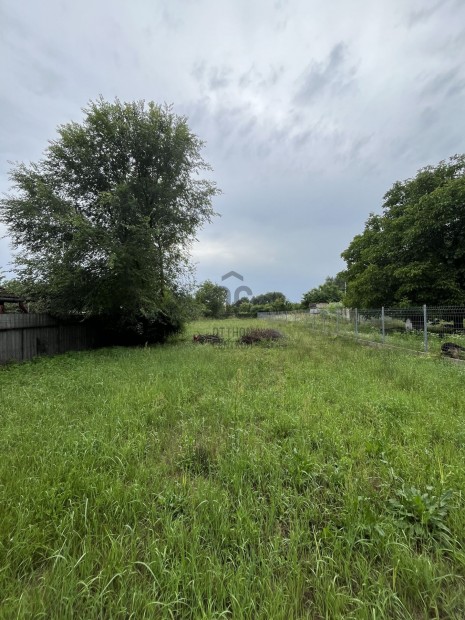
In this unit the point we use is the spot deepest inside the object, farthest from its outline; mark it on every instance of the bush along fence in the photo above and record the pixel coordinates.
(423, 328)
(25, 336)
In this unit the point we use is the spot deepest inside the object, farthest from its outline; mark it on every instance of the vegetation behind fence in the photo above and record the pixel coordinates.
(423, 328)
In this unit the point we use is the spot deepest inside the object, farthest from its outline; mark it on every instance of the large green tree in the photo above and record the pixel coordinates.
(103, 223)
(414, 252)
(212, 298)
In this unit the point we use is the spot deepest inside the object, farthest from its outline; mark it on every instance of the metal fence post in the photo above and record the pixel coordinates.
(425, 328)
(337, 320)
(356, 322)
(383, 332)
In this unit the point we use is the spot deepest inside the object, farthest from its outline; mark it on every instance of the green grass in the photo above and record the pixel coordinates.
(370, 330)
(312, 479)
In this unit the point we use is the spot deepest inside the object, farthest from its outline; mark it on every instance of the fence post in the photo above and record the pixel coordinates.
(337, 320)
(425, 328)
(382, 323)
(356, 322)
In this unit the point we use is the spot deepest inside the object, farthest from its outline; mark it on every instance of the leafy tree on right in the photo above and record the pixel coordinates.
(414, 252)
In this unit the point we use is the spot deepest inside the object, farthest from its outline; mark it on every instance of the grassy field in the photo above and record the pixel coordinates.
(370, 330)
(316, 478)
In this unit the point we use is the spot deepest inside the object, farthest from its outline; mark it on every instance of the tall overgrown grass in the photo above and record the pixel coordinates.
(313, 478)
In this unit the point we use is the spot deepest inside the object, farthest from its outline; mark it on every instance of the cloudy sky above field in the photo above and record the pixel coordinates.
(310, 110)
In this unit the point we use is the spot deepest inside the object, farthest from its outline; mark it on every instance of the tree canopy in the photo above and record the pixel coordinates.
(331, 291)
(102, 225)
(212, 298)
(269, 298)
(414, 252)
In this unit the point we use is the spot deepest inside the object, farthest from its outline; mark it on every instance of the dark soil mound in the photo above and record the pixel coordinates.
(260, 335)
(453, 350)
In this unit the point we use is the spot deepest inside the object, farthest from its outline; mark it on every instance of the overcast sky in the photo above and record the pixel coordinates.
(310, 110)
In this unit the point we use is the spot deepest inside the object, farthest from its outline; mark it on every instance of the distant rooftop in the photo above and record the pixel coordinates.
(8, 297)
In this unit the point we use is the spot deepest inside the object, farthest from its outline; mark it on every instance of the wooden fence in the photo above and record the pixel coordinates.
(24, 336)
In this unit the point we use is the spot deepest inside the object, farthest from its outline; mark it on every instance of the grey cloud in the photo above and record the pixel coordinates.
(447, 84)
(237, 133)
(219, 77)
(39, 73)
(170, 17)
(291, 151)
(433, 133)
(422, 15)
(260, 79)
(357, 146)
(12, 140)
(198, 70)
(281, 24)
(228, 120)
(247, 127)
(428, 116)
(213, 77)
(332, 74)
(302, 138)
(457, 88)
(453, 46)
(45, 80)
(272, 78)
(12, 27)
(251, 76)
(283, 17)
(230, 126)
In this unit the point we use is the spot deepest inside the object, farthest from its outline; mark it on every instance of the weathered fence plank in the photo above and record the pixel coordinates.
(24, 336)
(21, 321)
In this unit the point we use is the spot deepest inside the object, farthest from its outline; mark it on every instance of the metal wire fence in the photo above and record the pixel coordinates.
(422, 328)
